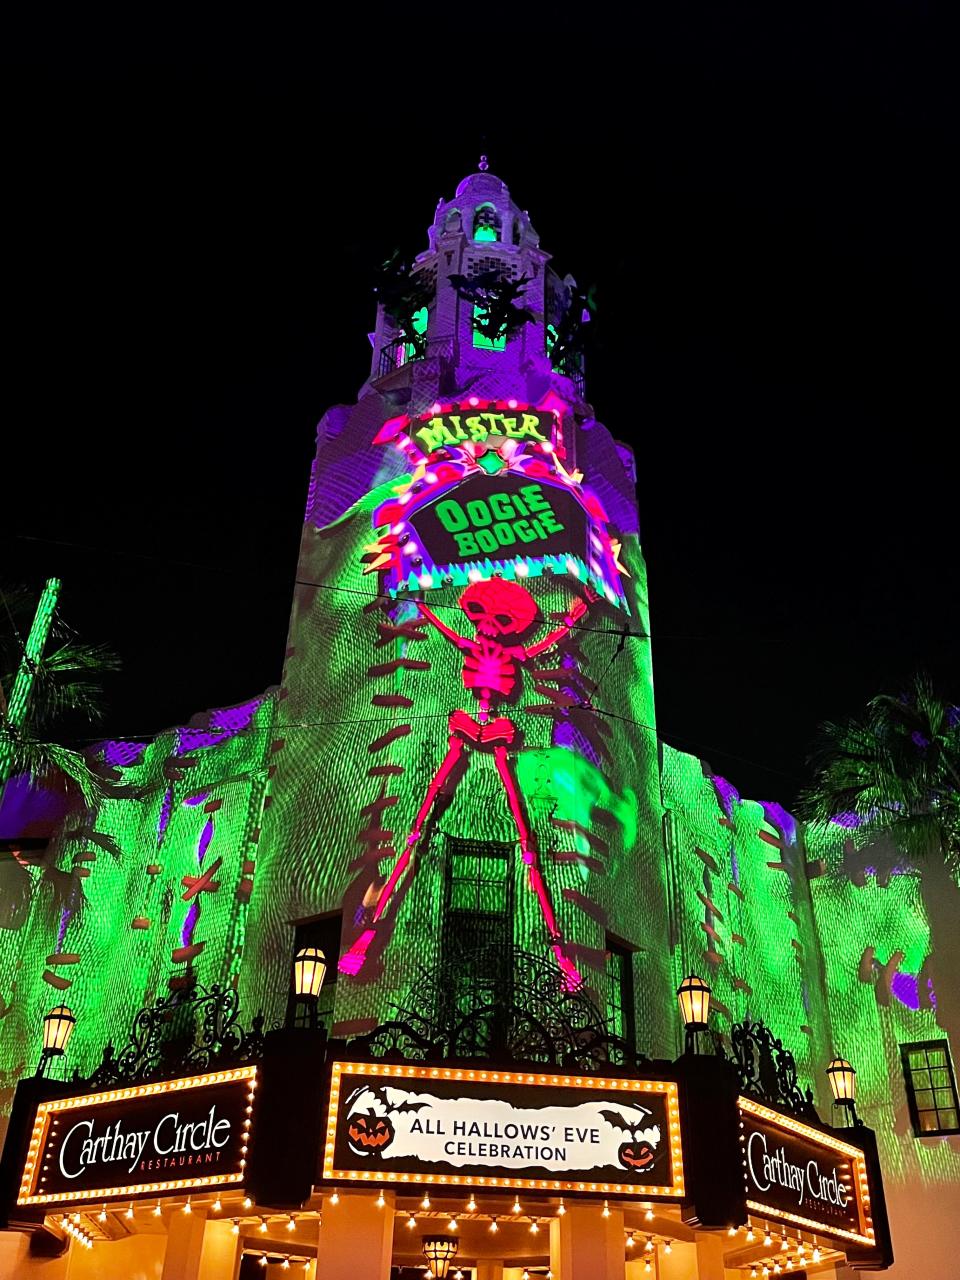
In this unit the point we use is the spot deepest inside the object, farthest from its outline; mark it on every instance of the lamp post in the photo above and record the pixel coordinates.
(58, 1027)
(440, 1251)
(843, 1085)
(309, 971)
(693, 996)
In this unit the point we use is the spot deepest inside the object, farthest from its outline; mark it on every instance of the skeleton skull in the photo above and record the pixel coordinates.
(498, 607)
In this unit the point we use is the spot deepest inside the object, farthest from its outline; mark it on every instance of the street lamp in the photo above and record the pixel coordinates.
(440, 1251)
(309, 971)
(58, 1027)
(693, 996)
(843, 1085)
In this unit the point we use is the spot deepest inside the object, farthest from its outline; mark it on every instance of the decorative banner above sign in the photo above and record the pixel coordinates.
(393, 1123)
(175, 1135)
(800, 1175)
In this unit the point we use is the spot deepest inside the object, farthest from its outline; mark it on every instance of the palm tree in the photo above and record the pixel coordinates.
(43, 678)
(896, 769)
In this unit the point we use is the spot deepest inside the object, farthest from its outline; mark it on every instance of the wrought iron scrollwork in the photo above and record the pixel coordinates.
(767, 1069)
(181, 1034)
(500, 1004)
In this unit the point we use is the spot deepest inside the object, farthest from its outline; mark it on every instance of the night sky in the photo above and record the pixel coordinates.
(194, 220)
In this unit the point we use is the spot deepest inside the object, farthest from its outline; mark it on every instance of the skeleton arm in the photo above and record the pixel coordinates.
(454, 636)
(577, 610)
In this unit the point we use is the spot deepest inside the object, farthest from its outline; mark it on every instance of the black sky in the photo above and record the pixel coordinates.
(194, 219)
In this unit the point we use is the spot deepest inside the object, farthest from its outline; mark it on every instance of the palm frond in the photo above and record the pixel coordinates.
(51, 765)
(68, 679)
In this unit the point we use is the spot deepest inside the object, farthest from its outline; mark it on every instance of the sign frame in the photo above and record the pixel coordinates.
(405, 1072)
(860, 1184)
(48, 1111)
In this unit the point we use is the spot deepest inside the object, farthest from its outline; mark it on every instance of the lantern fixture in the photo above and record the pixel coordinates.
(843, 1086)
(309, 971)
(440, 1251)
(58, 1027)
(693, 996)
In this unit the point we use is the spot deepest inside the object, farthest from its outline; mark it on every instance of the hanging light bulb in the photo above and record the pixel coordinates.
(648, 1247)
(526, 1274)
(768, 1238)
(750, 1235)
(292, 1222)
(334, 1199)
(452, 1225)
(493, 1225)
(649, 1215)
(647, 1267)
(516, 1205)
(533, 1227)
(186, 1207)
(380, 1200)
(286, 1264)
(561, 1208)
(668, 1246)
(802, 1248)
(783, 1245)
(630, 1242)
(263, 1260)
(411, 1222)
(753, 1273)
(777, 1268)
(102, 1215)
(234, 1226)
(731, 1231)
(816, 1253)
(247, 1202)
(217, 1206)
(425, 1202)
(157, 1211)
(606, 1210)
(306, 1264)
(262, 1227)
(471, 1206)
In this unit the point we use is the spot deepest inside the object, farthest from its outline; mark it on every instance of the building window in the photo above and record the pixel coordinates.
(486, 223)
(477, 936)
(620, 1007)
(480, 340)
(931, 1088)
(325, 934)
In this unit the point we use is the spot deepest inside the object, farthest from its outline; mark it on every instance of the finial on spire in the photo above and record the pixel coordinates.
(483, 166)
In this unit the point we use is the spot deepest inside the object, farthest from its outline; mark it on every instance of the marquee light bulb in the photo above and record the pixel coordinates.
(606, 1210)
(292, 1222)
(471, 1204)
(425, 1202)
(411, 1222)
(753, 1273)
(493, 1226)
(777, 1268)
(306, 1264)
(516, 1205)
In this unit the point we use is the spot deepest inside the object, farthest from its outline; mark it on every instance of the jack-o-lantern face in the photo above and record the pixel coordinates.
(369, 1134)
(636, 1155)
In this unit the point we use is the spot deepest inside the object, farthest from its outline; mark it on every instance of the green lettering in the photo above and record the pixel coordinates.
(511, 428)
(452, 516)
(501, 506)
(531, 423)
(485, 540)
(454, 421)
(479, 513)
(504, 534)
(466, 544)
(550, 522)
(478, 432)
(535, 499)
(433, 435)
(524, 532)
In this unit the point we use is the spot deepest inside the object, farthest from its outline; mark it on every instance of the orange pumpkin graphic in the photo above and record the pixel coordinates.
(635, 1155)
(368, 1133)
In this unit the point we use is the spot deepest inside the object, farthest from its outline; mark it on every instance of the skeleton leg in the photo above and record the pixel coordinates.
(571, 976)
(352, 960)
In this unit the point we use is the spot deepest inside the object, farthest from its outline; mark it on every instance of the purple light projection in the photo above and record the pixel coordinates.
(727, 793)
(120, 755)
(778, 816)
(906, 988)
(221, 724)
(203, 844)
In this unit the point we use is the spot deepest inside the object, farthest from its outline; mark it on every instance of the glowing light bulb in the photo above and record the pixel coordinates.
(648, 1247)
(334, 1199)
(493, 1226)
(732, 1231)
(649, 1215)
(533, 1227)
(217, 1205)
(411, 1222)
(668, 1247)
(263, 1260)
(768, 1238)
(306, 1264)
(247, 1202)
(157, 1210)
(425, 1202)
(777, 1268)
(186, 1207)
(235, 1227)
(292, 1222)
(783, 1245)
(647, 1267)
(561, 1208)
(262, 1227)
(606, 1210)
(750, 1236)
(630, 1240)
(753, 1273)
(102, 1215)
(452, 1224)
(516, 1205)
(286, 1264)
(816, 1253)
(471, 1204)
(129, 1213)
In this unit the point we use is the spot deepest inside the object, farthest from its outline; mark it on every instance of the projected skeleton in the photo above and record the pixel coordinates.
(500, 612)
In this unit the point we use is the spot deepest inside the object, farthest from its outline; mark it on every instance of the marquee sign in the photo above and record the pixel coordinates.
(803, 1176)
(173, 1135)
(395, 1123)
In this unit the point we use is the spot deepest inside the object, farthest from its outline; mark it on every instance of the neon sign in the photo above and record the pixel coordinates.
(455, 428)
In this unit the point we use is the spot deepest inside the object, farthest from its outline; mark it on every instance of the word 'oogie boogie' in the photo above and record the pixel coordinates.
(500, 520)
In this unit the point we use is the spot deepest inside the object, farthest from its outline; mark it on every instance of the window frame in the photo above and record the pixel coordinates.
(624, 952)
(911, 1091)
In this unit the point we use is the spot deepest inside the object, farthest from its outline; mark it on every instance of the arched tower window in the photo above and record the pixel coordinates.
(486, 223)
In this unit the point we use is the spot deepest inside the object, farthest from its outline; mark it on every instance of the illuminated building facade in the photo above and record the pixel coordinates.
(456, 791)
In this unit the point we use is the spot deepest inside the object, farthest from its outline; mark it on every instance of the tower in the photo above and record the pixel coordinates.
(467, 747)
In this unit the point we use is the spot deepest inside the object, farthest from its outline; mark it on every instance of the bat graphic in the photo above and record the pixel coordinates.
(636, 1153)
(618, 1121)
(379, 1094)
